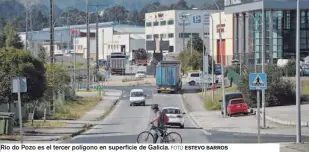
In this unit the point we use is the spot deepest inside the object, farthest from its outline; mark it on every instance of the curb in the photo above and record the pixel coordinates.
(196, 122)
(284, 122)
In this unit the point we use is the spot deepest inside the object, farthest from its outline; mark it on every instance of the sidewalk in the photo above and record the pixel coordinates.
(72, 127)
(213, 120)
(286, 115)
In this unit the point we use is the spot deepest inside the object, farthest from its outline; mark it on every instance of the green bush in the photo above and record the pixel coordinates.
(212, 105)
(278, 93)
(289, 69)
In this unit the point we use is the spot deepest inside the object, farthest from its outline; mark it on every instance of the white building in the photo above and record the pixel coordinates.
(170, 26)
(112, 37)
(117, 38)
(226, 28)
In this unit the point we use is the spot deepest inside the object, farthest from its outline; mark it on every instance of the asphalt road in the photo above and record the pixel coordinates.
(125, 123)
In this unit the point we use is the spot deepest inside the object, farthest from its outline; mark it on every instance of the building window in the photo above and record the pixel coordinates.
(156, 23)
(195, 34)
(163, 36)
(156, 36)
(109, 46)
(148, 37)
(170, 22)
(148, 24)
(186, 35)
(170, 35)
(163, 23)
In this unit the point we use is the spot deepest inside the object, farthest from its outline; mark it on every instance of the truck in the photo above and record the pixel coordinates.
(168, 77)
(139, 57)
(117, 63)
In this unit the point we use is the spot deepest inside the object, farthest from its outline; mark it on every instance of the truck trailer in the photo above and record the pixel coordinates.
(168, 77)
(117, 63)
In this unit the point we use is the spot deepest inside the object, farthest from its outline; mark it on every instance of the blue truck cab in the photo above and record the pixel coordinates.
(168, 77)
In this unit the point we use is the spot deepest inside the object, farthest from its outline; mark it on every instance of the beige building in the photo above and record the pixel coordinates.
(226, 28)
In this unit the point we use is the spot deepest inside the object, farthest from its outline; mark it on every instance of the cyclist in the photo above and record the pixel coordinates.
(157, 121)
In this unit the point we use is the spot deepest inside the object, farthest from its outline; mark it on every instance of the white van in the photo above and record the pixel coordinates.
(196, 78)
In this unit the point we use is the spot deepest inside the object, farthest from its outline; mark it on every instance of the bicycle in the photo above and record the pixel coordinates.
(166, 138)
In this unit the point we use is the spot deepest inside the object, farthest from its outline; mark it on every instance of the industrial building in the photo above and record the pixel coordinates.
(176, 27)
(280, 29)
(226, 28)
(112, 37)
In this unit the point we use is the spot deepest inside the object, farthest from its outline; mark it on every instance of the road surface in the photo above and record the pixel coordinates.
(125, 123)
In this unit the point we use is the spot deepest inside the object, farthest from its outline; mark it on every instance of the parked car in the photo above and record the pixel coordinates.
(228, 97)
(137, 97)
(140, 74)
(175, 116)
(237, 106)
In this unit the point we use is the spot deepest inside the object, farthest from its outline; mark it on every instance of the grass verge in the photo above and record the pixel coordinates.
(10, 137)
(215, 104)
(76, 109)
(42, 124)
(85, 128)
(304, 88)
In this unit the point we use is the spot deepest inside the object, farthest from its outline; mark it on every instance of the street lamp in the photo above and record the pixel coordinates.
(222, 58)
(298, 115)
(184, 18)
(204, 54)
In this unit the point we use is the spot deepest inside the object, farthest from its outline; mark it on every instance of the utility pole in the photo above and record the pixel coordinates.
(97, 41)
(88, 45)
(52, 47)
(26, 42)
(51, 12)
(97, 37)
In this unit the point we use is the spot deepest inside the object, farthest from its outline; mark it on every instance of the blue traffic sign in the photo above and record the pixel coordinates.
(257, 81)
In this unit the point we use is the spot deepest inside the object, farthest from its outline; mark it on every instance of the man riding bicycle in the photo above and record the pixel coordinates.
(157, 121)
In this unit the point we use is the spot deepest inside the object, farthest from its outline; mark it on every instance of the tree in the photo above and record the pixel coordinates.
(56, 77)
(197, 44)
(2, 39)
(153, 7)
(42, 54)
(116, 13)
(133, 16)
(15, 62)
(12, 39)
(180, 5)
(188, 60)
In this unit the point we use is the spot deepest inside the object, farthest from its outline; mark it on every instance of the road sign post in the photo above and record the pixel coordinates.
(258, 82)
(19, 84)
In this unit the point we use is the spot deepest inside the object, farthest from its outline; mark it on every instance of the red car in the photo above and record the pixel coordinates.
(237, 106)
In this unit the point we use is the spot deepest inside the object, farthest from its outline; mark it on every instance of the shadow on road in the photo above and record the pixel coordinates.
(105, 133)
(185, 127)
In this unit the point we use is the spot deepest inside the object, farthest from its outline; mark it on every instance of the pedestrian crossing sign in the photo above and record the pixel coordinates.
(257, 81)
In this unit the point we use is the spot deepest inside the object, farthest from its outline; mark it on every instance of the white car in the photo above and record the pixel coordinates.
(175, 116)
(140, 74)
(137, 97)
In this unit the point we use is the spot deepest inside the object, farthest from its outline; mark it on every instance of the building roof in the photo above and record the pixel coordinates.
(63, 33)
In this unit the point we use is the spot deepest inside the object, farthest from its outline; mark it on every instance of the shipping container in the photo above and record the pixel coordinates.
(168, 76)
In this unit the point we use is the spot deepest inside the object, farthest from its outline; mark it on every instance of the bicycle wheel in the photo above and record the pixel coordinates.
(173, 137)
(145, 137)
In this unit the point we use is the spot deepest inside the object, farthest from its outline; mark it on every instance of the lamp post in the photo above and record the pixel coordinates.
(204, 55)
(298, 115)
(222, 59)
(184, 18)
